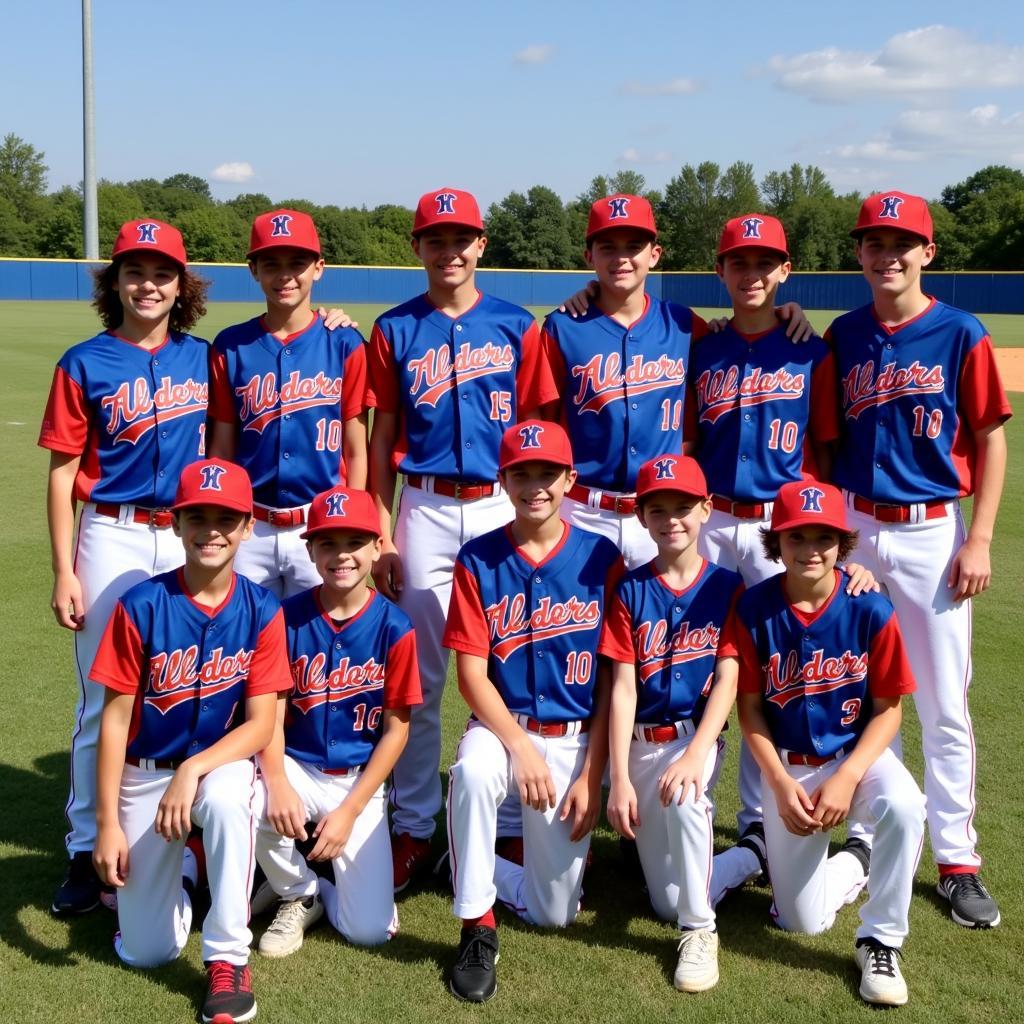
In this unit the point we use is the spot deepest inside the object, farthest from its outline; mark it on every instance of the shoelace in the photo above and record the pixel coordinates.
(882, 960)
(695, 946)
(222, 977)
(475, 955)
(971, 886)
(289, 917)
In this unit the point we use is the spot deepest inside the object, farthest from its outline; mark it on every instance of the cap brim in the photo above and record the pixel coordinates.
(234, 506)
(818, 520)
(857, 232)
(416, 232)
(373, 531)
(151, 251)
(520, 459)
(767, 248)
(282, 245)
(653, 235)
(686, 491)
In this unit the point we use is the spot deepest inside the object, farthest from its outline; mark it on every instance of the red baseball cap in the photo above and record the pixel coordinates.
(214, 482)
(447, 206)
(342, 508)
(678, 473)
(753, 231)
(281, 228)
(809, 503)
(621, 211)
(535, 441)
(895, 210)
(150, 236)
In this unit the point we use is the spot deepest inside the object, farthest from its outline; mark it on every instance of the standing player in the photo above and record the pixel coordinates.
(525, 620)
(760, 412)
(449, 371)
(193, 662)
(673, 688)
(821, 678)
(126, 414)
(288, 401)
(922, 419)
(353, 657)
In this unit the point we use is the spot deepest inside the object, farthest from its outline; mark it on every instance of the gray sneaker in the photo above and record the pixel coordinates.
(290, 923)
(971, 904)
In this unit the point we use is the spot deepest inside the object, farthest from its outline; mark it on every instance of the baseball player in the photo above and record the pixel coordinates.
(353, 657)
(922, 413)
(125, 415)
(193, 662)
(821, 678)
(288, 401)
(670, 702)
(525, 619)
(449, 371)
(760, 411)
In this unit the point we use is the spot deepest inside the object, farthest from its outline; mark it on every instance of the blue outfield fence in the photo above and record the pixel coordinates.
(979, 292)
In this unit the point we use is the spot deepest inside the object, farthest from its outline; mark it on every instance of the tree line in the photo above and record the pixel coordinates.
(979, 222)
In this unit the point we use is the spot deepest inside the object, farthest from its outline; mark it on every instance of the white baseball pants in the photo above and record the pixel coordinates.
(276, 558)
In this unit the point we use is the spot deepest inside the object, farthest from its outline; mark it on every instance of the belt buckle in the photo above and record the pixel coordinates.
(158, 514)
(627, 502)
(458, 490)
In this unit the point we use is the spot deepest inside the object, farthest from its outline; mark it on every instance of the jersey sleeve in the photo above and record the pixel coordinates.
(466, 630)
(354, 382)
(617, 633)
(691, 426)
(269, 671)
(698, 327)
(982, 396)
(738, 637)
(824, 418)
(889, 671)
(382, 389)
(535, 386)
(119, 657)
(67, 417)
(222, 397)
(554, 365)
(727, 642)
(402, 674)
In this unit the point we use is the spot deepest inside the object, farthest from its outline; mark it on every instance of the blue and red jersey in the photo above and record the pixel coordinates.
(911, 399)
(622, 389)
(137, 417)
(538, 625)
(346, 675)
(818, 673)
(190, 667)
(672, 637)
(455, 383)
(290, 399)
(753, 406)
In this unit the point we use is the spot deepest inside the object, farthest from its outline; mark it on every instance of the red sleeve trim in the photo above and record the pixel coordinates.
(353, 386)
(824, 418)
(727, 644)
(402, 674)
(119, 658)
(889, 671)
(67, 418)
(617, 640)
(738, 636)
(535, 380)
(221, 406)
(466, 630)
(269, 671)
(382, 389)
(982, 396)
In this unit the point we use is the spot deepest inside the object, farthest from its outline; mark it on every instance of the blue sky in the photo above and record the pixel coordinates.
(368, 103)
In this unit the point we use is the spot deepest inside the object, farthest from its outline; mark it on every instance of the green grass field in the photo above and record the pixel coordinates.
(614, 964)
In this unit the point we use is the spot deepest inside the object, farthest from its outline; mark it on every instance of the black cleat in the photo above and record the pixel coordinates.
(80, 891)
(474, 978)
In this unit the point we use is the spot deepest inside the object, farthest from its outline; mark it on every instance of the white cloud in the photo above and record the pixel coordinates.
(631, 155)
(671, 87)
(236, 173)
(924, 61)
(535, 53)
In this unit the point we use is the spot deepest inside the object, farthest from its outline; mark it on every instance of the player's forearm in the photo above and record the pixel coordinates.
(622, 719)
(720, 702)
(271, 757)
(60, 509)
(990, 470)
(385, 754)
(877, 735)
(823, 454)
(354, 450)
(222, 440)
(382, 473)
(242, 742)
(113, 742)
(759, 740)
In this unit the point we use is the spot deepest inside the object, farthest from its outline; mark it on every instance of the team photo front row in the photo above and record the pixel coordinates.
(259, 646)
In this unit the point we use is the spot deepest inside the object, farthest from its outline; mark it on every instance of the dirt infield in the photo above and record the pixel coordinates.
(1011, 367)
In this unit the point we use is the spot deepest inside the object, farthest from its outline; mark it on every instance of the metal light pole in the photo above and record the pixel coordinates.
(90, 225)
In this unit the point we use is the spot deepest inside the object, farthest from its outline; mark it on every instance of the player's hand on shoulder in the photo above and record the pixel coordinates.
(68, 602)
(683, 776)
(110, 855)
(798, 327)
(285, 809)
(334, 318)
(174, 812)
(579, 303)
(718, 325)
(623, 808)
(971, 570)
(832, 799)
(859, 579)
(536, 787)
(581, 807)
(795, 807)
(332, 833)
(388, 574)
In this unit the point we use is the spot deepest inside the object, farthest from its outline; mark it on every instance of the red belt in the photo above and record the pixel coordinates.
(660, 733)
(153, 764)
(453, 488)
(899, 513)
(620, 504)
(811, 760)
(341, 772)
(158, 518)
(739, 509)
(554, 728)
(281, 518)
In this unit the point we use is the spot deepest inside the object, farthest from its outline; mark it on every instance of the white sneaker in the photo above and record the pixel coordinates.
(697, 969)
(286, 931)
(881, 981)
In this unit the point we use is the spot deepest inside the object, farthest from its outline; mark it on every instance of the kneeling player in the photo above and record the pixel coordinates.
(193, 661)
(524, 622)
(821, 677)
(353, 657)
